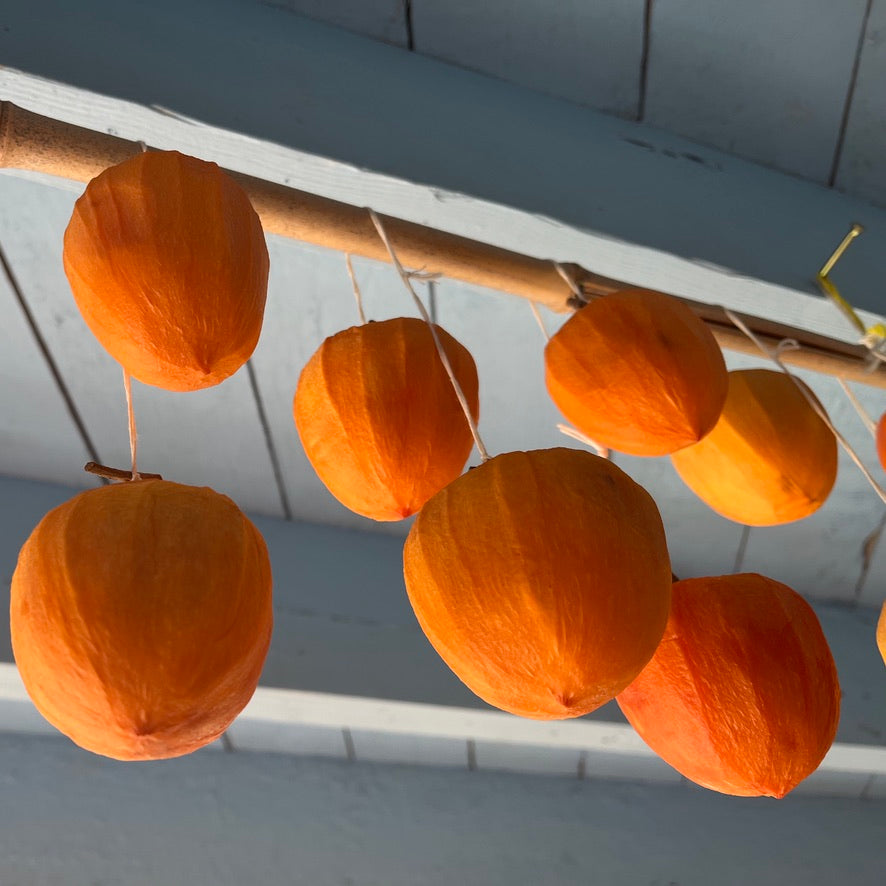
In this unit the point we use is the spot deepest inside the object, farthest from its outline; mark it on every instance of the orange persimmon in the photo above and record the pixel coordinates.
(637, 371)
(742, 695)
(769, 460)
(881, 633)
(378, 417)
(141, 617)
(168, 265)
(881, 440)
(542, 579)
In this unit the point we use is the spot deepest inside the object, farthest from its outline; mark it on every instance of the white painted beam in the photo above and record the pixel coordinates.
(628, 200)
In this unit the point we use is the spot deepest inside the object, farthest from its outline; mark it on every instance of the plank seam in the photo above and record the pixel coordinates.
(407, 17)
(850, 95)
(644, 59)
(269, 441)
(47, 356)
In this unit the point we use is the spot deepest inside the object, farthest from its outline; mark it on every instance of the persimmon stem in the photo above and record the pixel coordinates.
(444, 359)
(775, 357)
(358, 297)
(133, 432)
(92, 467)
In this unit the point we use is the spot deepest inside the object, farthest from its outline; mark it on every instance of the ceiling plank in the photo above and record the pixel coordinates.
(38, 437)
(383, 20)
(587, 53)
(861, 170)
(630, 201)
(764, 81)
(211, 437)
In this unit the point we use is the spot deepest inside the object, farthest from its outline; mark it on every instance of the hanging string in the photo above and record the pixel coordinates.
(869, 423)
(541, 323)
(872, 337)
(407, 278)
(133, 432)
(357, 295)
(775, 357)
(570, 282)
(569, 431)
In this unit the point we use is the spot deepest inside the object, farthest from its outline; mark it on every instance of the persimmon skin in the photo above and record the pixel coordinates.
(542, 579)
(742, 696)
(141, 617)
(378, 417)
(881, 633)
(881, 440)
(770, 459)
(638, 372)
(168, 265)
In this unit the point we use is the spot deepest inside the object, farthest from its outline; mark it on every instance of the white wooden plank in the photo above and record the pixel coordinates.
(588, 53)
(373, 746)
(873, 588)
(38, 437)
(719, 229)
(517, 413)
(506, 757)
(380, 19)
(821, 556)
(764, 81)
(603, 766)
(211, 437)
(861, 169)
(251, 734)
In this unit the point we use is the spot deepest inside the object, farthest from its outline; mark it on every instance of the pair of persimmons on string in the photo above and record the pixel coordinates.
(542, 578)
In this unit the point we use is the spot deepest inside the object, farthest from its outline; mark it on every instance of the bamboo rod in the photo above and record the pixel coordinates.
(40, 144)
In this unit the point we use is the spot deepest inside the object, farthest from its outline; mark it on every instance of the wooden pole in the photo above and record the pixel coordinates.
(40, 144)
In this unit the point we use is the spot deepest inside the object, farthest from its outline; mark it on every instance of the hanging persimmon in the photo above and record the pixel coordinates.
(378, 417)
(742, 695)
(881, 440)
(141, 617)
(542, 579)
(881, 633)
(770, 459)
(638, 372)
(168, 265)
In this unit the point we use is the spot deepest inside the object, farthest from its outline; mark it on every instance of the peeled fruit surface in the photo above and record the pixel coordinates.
(168, 265)
(769, 460)
(378, 417)
(881, 633)
(141, 617)
(742, 695)
(542, 579)
(881, 440)
(637, 371)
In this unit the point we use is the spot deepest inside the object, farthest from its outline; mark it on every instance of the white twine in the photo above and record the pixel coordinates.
(775, 357)
(538, 319)
(570, 282)
(407, 278)
(869, 423)
(357, 294)
(133, 433)
(569, 431)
